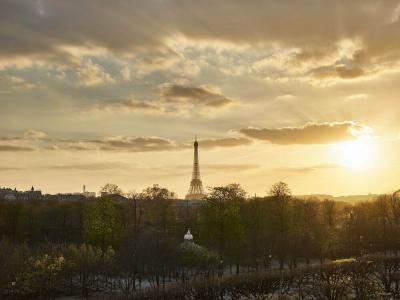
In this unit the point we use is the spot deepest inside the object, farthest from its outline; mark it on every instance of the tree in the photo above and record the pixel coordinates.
(102, 224)
(13, 259)
(159, 217)
(303, 233)
(157, 205)
(128, 255)
(84, 262)
(281, 195)
(329, 227)
(111, 189)
(158, 255)
(257, 231)
(44, 272)
(222, 223)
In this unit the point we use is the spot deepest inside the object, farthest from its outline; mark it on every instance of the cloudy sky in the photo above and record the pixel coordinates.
(302, 91)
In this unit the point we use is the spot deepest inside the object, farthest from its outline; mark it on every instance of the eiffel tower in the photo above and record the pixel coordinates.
(196, 191)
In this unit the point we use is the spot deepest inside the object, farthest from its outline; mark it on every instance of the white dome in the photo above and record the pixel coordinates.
(188, 236)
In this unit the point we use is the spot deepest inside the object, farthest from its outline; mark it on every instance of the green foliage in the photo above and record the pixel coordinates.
(193, 255)
(30, 276)
(102, 223)
(43, 274)
(221, 220)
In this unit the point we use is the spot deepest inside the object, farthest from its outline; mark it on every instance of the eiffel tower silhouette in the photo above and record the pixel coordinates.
(196, 191)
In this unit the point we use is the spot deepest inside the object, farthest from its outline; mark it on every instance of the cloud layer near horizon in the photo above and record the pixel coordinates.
(310, 133)
(37, 140)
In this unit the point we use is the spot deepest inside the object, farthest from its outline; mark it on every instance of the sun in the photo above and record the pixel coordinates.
(355, 155)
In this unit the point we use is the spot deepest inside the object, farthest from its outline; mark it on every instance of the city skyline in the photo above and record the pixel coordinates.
(195, 175)
(100, 92)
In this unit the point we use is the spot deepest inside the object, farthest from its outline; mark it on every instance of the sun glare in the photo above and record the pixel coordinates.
(356, 155)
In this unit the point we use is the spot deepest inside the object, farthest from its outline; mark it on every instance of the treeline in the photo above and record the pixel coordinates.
(108, 244)
(369, 277)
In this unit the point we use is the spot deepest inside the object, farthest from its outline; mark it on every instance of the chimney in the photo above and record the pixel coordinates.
(84, 188)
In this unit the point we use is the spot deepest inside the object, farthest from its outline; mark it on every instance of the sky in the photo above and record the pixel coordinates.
(301, 91)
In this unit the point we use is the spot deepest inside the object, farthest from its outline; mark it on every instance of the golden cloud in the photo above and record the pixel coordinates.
(310, 133)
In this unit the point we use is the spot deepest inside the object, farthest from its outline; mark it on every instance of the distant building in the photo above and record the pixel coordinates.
(32, 194)
(65, 197)
(13, 194)
(71, 196)
(10, 197)
(8, 194)
(88, 194)
(116, 197)
(196, 191)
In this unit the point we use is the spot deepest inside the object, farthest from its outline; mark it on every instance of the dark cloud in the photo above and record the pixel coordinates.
(172, 98)
(224, 142)
(222, 167)
(148, 144)
(343, 72)
(12, 148)
(10, 169)
(306, 55)
(30, 134)
(139, 105)
(159, 57)
(130, 105)
(93, 166)
(311, 133)
(125, 106)
(229, 167)
(11, 138)
(76, 147)
(139, 144)
(194, 95)
(42, 29)
(353, 72)
(34, 134)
